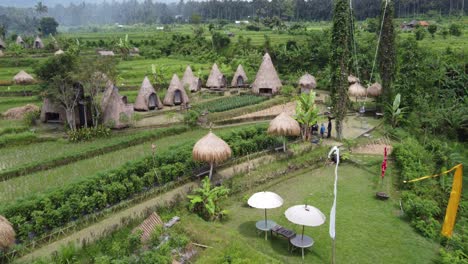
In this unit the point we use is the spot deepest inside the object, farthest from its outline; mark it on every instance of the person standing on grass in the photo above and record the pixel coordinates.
(322, 130)
(329, 127)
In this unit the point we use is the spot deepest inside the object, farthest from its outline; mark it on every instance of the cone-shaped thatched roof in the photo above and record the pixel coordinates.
(239, 73)
(284, 125)
(353, 79)
(356, 90)
(374, 90)
(38, 44)
(189, 80)
(142, 101)
(59, 52)
(2, 44)
(114, 108)
(175, 86)
(307, 82)
(212, 149)
(23, 78)
(7, 234)
(267, 77)
(216, 78)
(20, 41)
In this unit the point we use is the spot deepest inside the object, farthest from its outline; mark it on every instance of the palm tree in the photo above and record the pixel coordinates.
(41, 8)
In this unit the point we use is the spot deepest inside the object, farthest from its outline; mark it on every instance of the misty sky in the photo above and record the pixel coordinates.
(31, 3)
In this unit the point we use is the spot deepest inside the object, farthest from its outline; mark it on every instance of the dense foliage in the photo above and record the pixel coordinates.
(88, 133)
(228, 103)
(205, 200)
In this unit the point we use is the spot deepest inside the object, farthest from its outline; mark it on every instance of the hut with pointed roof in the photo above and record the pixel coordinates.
(20, 41)
(216, 80)
(38, 44)
(147, 98)
(23, 78)
(59, 52)
(7, 234)
(176, 94)
(240, 78)
(115, 110)
(2, 44)
(190, 81)
(307, 82)
(267, 80)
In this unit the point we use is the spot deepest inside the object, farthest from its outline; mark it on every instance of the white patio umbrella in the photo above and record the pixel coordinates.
(265, 200)
(305, 215)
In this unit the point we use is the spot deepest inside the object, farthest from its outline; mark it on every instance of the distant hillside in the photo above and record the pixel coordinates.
(51, 3)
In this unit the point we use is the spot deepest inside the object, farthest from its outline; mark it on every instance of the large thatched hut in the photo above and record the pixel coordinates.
(307, 82)
(240, 78)
(23, 78)
(216, 80)
(7, 234)
(190, 81)
(176, 94)
(2, 44)
(38, 44)
(115, 110)
(374, 90)
(267, 80)
(211, 149)
(20, 41)
(147, 98)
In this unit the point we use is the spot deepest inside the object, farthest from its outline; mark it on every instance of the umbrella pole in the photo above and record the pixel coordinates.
(211, 169)
(266, 225)
(284, 144)
(333, 252)
(302, 233)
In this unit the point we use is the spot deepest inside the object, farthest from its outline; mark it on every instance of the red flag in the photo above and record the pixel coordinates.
(384, 163)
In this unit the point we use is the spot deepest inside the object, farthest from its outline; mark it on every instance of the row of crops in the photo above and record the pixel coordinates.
(228, 103)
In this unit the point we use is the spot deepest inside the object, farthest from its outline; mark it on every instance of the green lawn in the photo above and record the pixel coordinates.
(368, 230)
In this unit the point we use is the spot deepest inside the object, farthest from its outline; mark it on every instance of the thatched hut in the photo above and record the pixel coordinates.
(52, 112)
(38, 44)
(353, 79)
(23, 78)
(216, 80)
(284, 125)
(115, 111)
(190, 81)
(356, 90)
(374, 90)
(147, 98)
(20, 111)
(20, 41)
(176, 94)
(106, 53)
(307, 82)
(59, 52)
(267, 80)
(211, 149)
(7, 234)
(240, 78)
(2, 44)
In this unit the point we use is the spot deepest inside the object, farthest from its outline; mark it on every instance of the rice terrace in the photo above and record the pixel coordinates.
(262, 131)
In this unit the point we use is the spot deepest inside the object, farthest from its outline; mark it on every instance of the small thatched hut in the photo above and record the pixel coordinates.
(52, 113)
(353, 79)
(267, 80)
(106, 53)
(2, 44)
(59, 52)
(115, 111)
(20, 41)
(23, 78)
(240, 78)
(190, 81)
(211, 149)
(20, 111)
(307, 82)
(356, 90)
(284, 125)
(374, 90)
(216, 80)
(147, 98)
(176, 94)
(7, 234)
(38, 44)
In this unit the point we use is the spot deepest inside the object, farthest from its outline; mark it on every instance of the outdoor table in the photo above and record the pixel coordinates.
(302, 242)
(265, 226)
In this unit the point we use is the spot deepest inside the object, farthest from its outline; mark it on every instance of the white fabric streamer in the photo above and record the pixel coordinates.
(336, 150)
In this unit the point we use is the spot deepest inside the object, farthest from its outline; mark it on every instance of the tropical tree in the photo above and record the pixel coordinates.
(124, 47)
(205, 200)
(48, 25)
(387, 53)
(306, 113)
(40, 8)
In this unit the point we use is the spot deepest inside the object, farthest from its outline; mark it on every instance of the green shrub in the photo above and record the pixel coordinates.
(30, 118)
(420, 33)
(88, 133)
(455, 30)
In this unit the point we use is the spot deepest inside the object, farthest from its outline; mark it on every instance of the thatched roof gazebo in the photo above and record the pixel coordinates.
(353, 79)
(307, 82)
(59, 52)
(7, 234)
(114, 107)
(20, 41)
(356, 90)
(190, 81)
(38, 44)
(216, 80)
(284, 125)
(240, 78)
(147, 98)
(267, 80)
(23, 78)
(374, 90)
(176, 94)
(2, 44)
(211, 149)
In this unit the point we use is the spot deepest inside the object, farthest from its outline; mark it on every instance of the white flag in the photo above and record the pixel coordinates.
(333, 209)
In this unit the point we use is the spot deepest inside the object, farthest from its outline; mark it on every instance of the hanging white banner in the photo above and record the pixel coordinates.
(336, 151)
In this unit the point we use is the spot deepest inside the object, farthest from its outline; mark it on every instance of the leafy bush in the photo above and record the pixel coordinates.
(455, 30)
(191, 118)
(30, 118)
(88, 133)
(420, 33)
(205, 201)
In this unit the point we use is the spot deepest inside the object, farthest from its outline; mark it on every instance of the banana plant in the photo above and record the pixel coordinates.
(205, 200)
(396, 113)
(306, 113)
(124, 47)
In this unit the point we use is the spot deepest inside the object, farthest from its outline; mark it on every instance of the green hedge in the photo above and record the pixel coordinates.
(21, 138)
(228, 103)
(90, 152)
(11, 130)
(38, 215)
